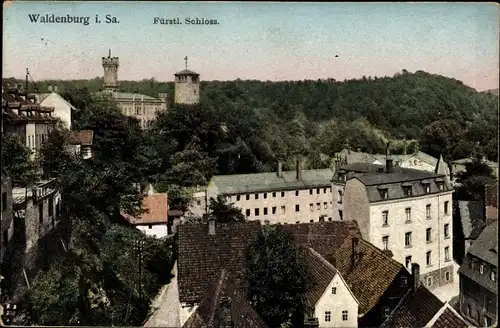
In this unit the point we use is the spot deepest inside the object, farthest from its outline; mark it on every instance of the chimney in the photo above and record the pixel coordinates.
(311, 323)
(388, 165)
(354, 253)
(50, 87)
(415, 272)
(211, 226)
(299, 169)
(225, 320)
(280, 169)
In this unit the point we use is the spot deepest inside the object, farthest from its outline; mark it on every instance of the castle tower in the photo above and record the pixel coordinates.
(187, 87)
(110, 65)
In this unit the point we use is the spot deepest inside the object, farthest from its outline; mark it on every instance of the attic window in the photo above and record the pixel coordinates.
(384, 193)
(380, 170)
(407, 190)
(441, 186)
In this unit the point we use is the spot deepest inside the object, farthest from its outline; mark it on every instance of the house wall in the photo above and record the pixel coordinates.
(187, 92)
(199, 205)
(62, 109)
(357, 207)
(415, 163)
(143, 110)
(154, 230)
(185, 312)
(338, 201)
(397, 228)
(336, 303)
(286, 205)
(477, 302)
(30, 137)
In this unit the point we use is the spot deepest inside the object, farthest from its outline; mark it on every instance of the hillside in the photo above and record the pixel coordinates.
(443, 114)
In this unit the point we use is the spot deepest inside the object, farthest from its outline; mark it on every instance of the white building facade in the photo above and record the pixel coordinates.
(408, 212)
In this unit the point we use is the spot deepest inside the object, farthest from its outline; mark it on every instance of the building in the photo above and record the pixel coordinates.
(329, 300)
(377, 281)
(420, 308)
(187, 87)
(460, 165)
(81, 142)
(491, 202)
(155, 221)
(468, 223)
(282, 197)
(406, 211)
(478, 279)
(199, 206)
(225, 305)
(63, 110)
(24, 117)
(139, 106)
(7, 219)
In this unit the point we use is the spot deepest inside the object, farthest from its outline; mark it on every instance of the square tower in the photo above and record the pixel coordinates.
(187, 87)
(110, 65)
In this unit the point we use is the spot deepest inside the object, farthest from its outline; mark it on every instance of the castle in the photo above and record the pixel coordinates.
(143, 107)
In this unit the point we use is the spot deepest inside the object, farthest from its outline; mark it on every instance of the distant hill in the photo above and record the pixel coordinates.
(492, 91)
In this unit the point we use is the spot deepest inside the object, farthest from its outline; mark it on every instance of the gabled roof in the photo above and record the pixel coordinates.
(208, 313)
(356, 157)
(442, 167)
(486, 245)
(472, 217)
(448, 317)
(82, 137)
(157, 211)
(269, 181)
(203, 256)
(415, 310)
(322, 274)
(373, 273)
(43, 96)
(323, 237)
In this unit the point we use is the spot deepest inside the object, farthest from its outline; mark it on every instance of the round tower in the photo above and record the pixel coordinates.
(187, 87)
(110, 65)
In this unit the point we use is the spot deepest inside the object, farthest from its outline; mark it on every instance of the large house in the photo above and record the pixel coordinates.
(377, 281)
(406, 211)
(62, 108)
(283, 197)
(478, 279)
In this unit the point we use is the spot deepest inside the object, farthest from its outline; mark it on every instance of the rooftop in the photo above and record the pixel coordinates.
(486, 245)
(157, 210)
(472, 217)
(128, 96)
(83, 137)
(449, 318)
(322, 273)
(186, 72)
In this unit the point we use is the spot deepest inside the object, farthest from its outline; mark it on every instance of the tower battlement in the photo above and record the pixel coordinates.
(110, 61)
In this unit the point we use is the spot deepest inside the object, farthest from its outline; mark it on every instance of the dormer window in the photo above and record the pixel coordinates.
(427, 187)
(384, 192)
(407, 191)
(441, 186)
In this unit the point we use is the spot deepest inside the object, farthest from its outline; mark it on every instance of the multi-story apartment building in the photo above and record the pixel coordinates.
(478, 280)
(282, 197)
(406, 211)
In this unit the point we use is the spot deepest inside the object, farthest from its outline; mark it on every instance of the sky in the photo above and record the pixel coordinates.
(262, 41)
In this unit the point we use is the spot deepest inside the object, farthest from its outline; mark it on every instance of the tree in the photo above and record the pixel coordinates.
(475, 178)
(223, 211)
(17, 160)
(278, 276)
(54, 153)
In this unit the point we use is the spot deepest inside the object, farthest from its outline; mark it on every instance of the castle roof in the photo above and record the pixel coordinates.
(129, 96)
(186, 72)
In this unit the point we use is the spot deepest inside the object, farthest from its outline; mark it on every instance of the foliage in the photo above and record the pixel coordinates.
(17, 161)
(54, 153)
(278, 276)
(223, 211)
(473, 181)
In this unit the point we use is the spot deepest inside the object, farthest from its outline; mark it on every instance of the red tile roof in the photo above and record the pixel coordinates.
(449, 319)
(208, 314)
(322, 274)
(83, 137)
(157, 211)
(373, 273)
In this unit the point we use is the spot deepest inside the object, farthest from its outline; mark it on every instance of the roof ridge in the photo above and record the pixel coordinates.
(323, 260)
(218, 291)
(379, 251)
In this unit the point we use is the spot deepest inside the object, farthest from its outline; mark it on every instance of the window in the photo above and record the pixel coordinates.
(447, 276)
(329, 219)
(408, 262)
(198, 201)
(282, 194)
(40, 212)
(469, 310)
(385, 218)
(311, 221)
(150, 226)
(297, 222)
(248, 197)
(283, 209)
(341, 215)
(429, 281)
(404, 281)
(274, 210)
(385, 243)
(340, 197)
(247, 212)
(237, 198)
(256, 196)
(229, 198)
(446, 204)
(493, 275)
(408, 239)
(296, 192)
(334, 290)
(265, 195)
(4, 201)
(311, 206)
(324, 190)
(481, 268)
(317, 191)
(318, 206)
(428, 211)
(325, 205)
(428, 258)
(274, 194)
(428, 235)
(427, 188)
(408, 214)
(383, 193)
(328, 316)
(447, 253)
(386, 311)
(441, 186)
(256, 212)
(51, 207)
(407, 191)
(345, 315)
(310, 191)
(297, 208)
(265, 210)
(446, 230)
